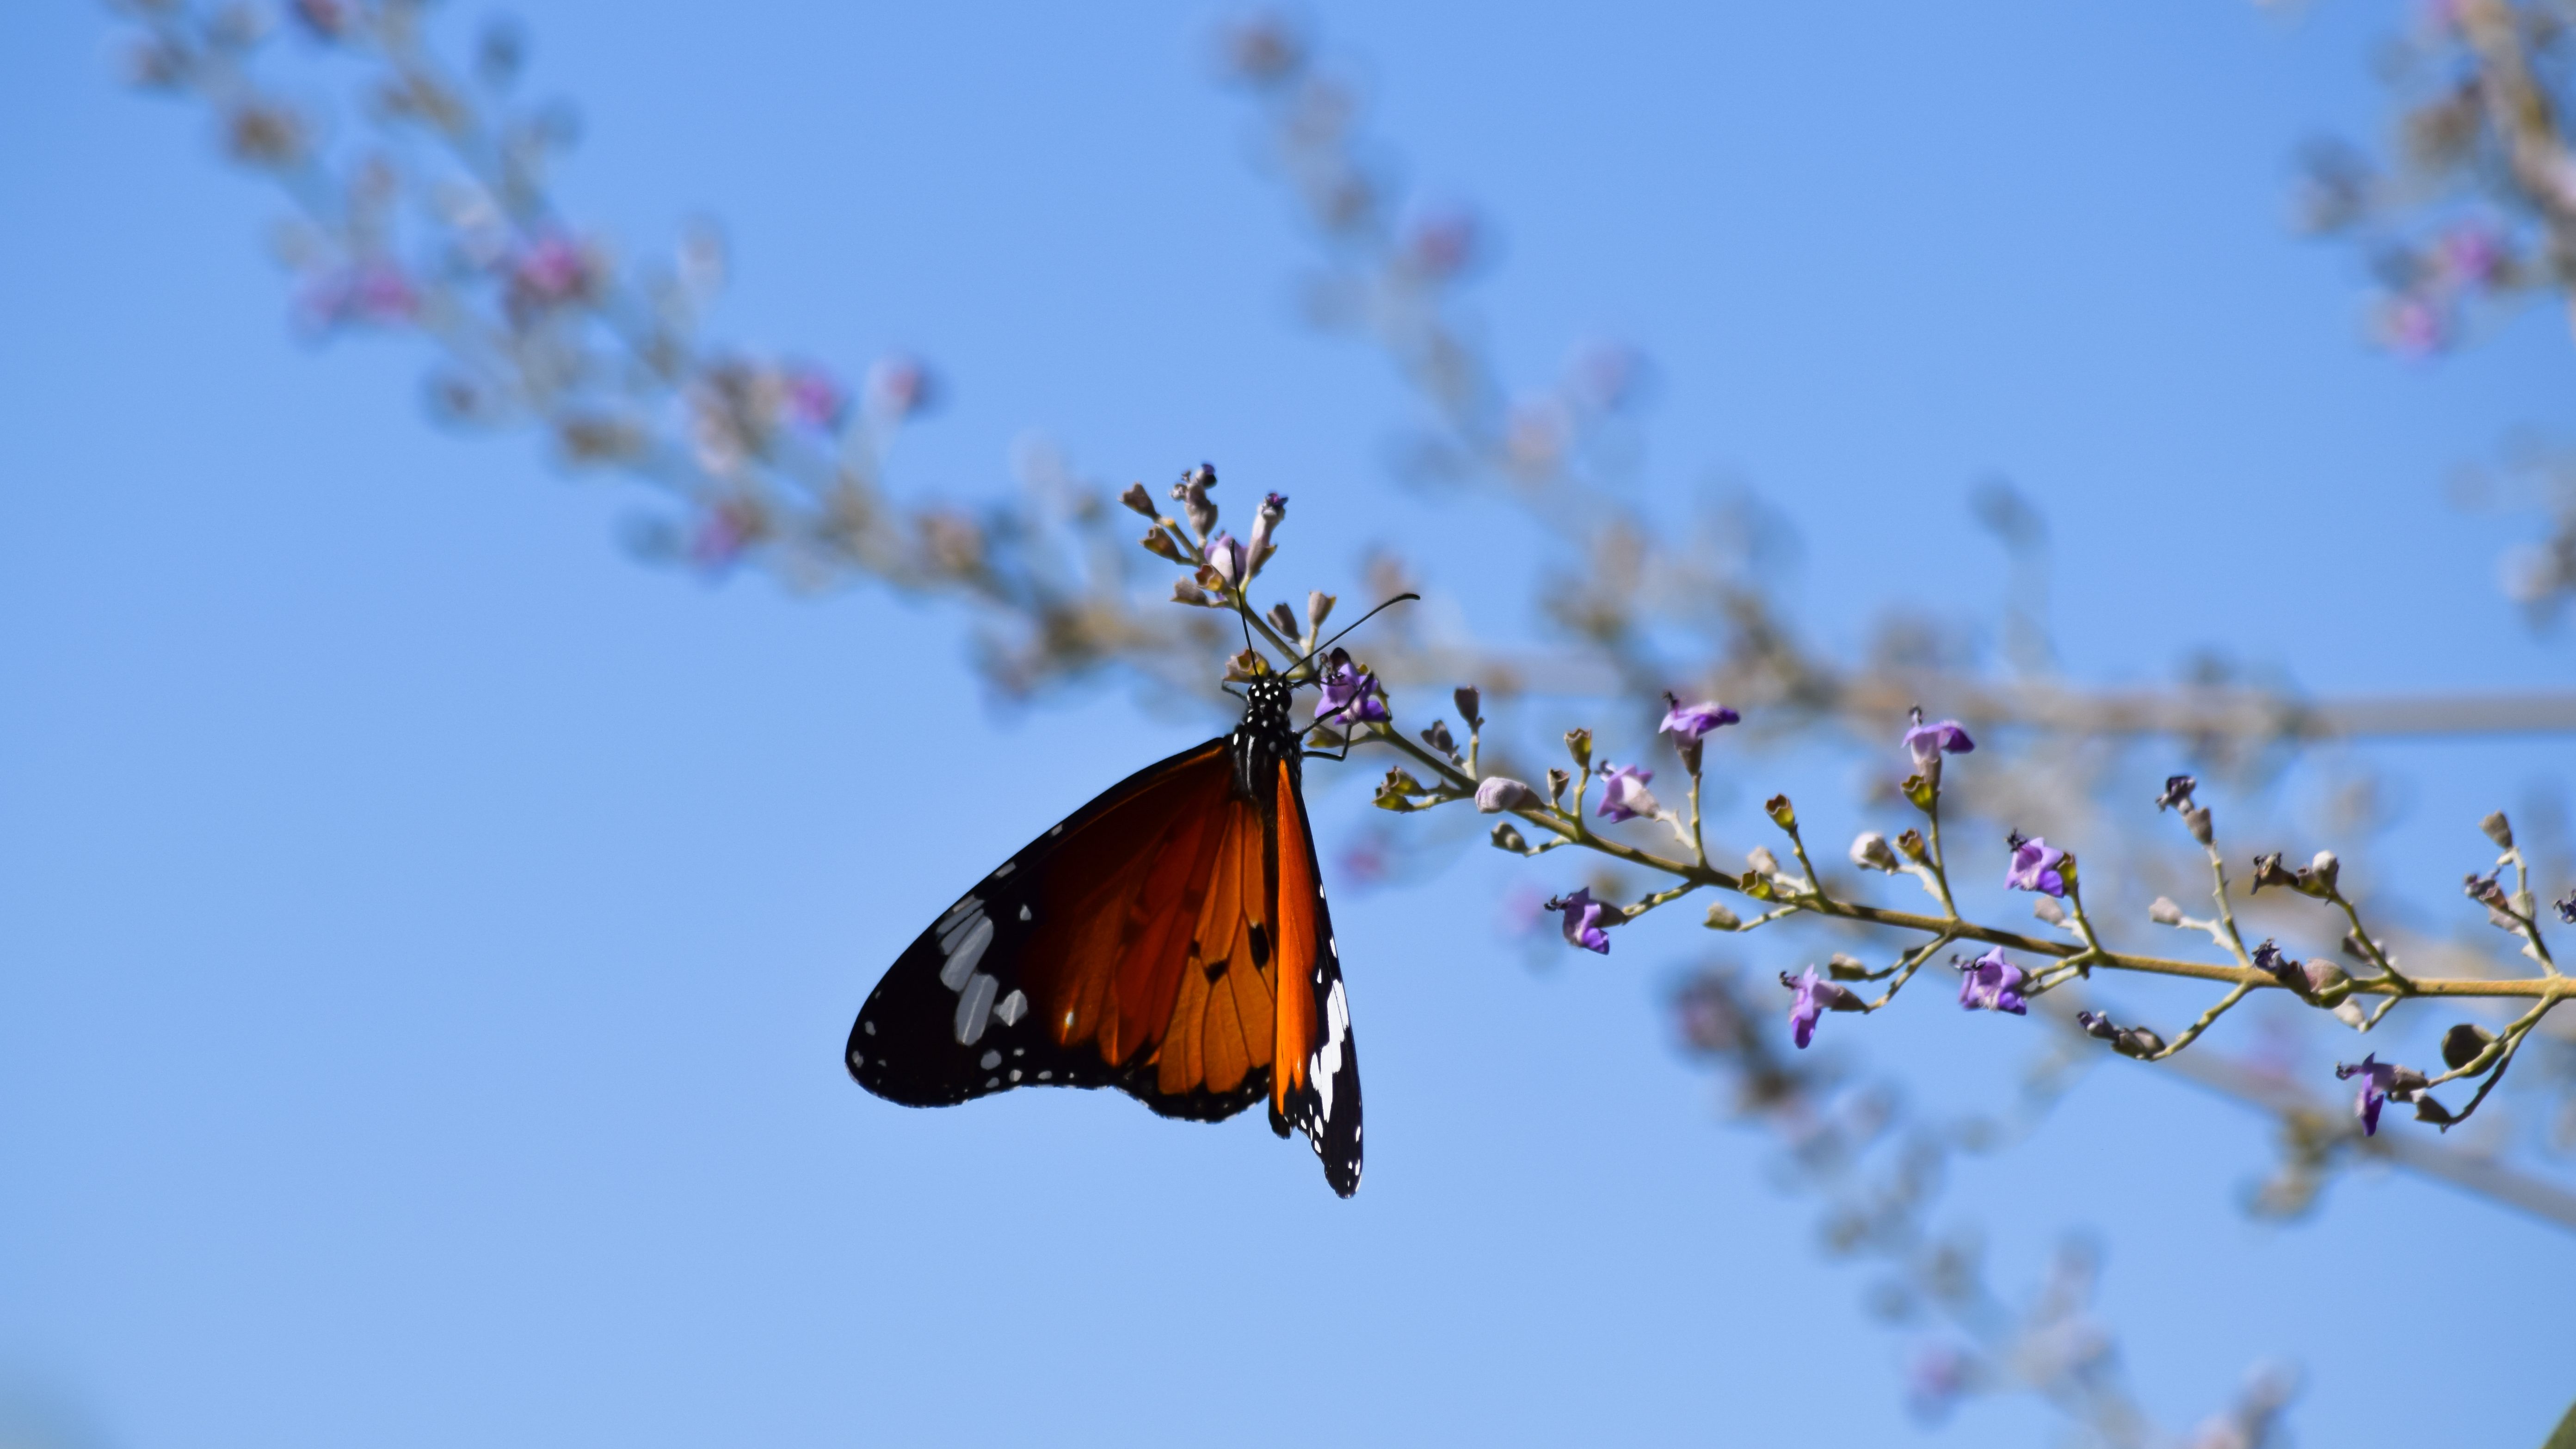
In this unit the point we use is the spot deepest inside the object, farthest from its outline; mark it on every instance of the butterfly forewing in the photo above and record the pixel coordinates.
(1169, 939)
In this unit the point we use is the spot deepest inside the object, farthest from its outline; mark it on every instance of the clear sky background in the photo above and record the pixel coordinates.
(426, 934)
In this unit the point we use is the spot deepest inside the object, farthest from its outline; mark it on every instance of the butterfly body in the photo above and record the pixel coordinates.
(1169, 939)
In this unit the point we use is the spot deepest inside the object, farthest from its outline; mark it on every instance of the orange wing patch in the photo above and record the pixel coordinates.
(1294, 961)
(1144, 935)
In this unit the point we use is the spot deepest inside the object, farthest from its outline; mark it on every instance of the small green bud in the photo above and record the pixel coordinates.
(1557, 780)
(1780, 811)
(1160, 545)
(1847, 968)
(1137, 498)
(1758, 887)
(1921, 791)
(1578, 743)
(1912, 846)
(1508, 838)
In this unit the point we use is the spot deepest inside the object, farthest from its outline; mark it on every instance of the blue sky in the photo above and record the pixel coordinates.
(426, 934)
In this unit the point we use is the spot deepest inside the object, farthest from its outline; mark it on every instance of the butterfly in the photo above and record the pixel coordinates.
(1169, 939)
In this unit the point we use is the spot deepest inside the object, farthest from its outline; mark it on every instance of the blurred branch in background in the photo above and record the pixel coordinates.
(434, 219)
(2470, 217)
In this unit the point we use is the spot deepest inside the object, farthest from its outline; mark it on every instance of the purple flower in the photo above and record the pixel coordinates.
(899, 387)
(1936, 1380)
(2035, 867)
(1441, 243)
(1624, 795)
(1227, 557)
(1815, 996)
(2177, 793)
(2376, 1078)
(550, 270)
(1991, 983)
(2566, 907)
(1929, 742)
(1350, 695)
(1274, 507)
(814, 399)
(1498, 793)
(2469, 255)
(2281, 967)
(1690, 721)
(375, 292)
(1583, 920)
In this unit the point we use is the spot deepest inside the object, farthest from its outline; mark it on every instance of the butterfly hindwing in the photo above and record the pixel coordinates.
(1316, 1085)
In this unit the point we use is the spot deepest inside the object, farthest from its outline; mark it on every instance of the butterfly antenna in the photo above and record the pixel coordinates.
(1355, 623)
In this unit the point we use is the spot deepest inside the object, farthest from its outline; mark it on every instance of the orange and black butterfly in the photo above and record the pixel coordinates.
(1168, 939)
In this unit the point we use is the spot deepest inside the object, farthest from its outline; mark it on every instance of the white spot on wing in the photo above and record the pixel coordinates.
(991, 1060)
(1012, 1008)
(1328, 1058)
(1006, 868)
(858, 1058)
(1024, 913)
(974, 1008)
(965, 952)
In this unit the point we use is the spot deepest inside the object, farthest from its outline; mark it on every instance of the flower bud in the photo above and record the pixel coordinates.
(1578, 743)
(2096, 1024)
(1160, 545)
(1722, 919)
(1191, 491)
(2164, 912)
(1557, 780)
(1869, 851)
(1283, 619)
(1780, 811)
(2499, 830)
(1847, 968)
(1138, 499)
(1469, 700)
(1498, 793)
(1911, 844)
(2462, 1043)
(2429, 1110)
(2326, 982)
(2319, 878)
(2195, 818)
(1319, 607)
(1274, 508)
(1508, 838)
(1186, 592)
(1757, 887)
(2138, 1042)
(1437, 737)
(1761, 861)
